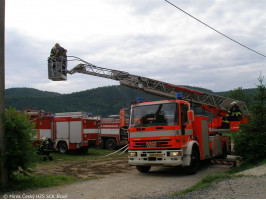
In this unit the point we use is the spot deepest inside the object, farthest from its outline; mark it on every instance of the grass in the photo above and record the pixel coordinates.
(207, 181)
(94, 154)
(22, 182)
(210, 179)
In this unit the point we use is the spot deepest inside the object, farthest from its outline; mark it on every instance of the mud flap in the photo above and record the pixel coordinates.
(187, 154)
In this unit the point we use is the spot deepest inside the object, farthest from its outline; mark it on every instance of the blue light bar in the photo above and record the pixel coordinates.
(179, 96)
(139, 99)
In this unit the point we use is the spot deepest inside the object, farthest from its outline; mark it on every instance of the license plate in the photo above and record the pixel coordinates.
(151, 144)
(155, 155)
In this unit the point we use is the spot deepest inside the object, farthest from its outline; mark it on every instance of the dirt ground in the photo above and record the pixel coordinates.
(87, 169)
(115, 179)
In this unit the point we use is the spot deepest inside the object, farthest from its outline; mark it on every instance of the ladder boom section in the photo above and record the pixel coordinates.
(159, 88)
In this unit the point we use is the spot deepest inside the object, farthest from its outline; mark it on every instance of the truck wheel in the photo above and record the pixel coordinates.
(111, 144)
(62, 147)
(143, 169)
(102, 145)
(195, 161)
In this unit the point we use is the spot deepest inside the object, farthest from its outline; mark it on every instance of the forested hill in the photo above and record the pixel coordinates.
(28, 92)
(100, 101)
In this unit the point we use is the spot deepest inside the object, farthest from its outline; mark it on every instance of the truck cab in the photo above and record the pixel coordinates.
(166, 133)
(159, 134)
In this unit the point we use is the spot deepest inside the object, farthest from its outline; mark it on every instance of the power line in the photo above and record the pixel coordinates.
(215, 29)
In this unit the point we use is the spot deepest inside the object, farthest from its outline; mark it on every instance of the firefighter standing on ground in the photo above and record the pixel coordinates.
(45, 149)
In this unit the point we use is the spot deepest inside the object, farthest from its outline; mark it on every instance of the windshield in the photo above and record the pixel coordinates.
(154, 115)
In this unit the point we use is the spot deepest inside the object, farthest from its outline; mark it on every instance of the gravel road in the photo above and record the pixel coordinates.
(158, 183)
(132, 184)
(236, 188)
(252, 186)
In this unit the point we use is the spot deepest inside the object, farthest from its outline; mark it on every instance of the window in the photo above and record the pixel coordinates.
(184, 110)
(154, 115)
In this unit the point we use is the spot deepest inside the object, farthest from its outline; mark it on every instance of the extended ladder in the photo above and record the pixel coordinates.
(155, 87)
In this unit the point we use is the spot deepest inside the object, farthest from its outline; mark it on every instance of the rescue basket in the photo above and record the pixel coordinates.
(57, 68)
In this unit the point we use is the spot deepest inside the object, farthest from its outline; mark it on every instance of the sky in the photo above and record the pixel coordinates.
(149, 38)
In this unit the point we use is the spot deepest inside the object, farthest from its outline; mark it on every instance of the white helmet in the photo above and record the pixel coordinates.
(234, 103)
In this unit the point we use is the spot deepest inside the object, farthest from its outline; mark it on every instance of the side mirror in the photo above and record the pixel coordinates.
(190, 115)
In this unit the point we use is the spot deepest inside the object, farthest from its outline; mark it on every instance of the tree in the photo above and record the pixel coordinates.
(250, 141)
(239, 94)
(20, 152)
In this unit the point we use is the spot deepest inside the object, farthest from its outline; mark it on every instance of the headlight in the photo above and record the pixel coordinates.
(132, 154)
(174, 153)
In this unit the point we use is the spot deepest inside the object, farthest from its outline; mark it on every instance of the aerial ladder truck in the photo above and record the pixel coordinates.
(167, 132)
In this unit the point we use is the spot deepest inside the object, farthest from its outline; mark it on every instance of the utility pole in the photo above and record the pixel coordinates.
(3, 171)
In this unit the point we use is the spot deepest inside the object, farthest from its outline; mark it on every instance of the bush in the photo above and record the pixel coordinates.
(250, 141)
(20, 153)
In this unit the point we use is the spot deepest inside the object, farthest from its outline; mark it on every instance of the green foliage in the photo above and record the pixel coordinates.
(102, 101)
(246, 95)
(250, 141)
(209, 179)
(30, 92)
(20, 153)
(205, 182)
(20, 182)
(240, 95)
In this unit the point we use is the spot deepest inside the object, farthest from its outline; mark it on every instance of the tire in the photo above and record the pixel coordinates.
(62, 148)
(195, 161)
(102, 145)
(143, 169)
(111, 144)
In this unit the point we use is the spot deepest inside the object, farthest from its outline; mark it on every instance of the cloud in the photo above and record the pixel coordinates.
(146, 38)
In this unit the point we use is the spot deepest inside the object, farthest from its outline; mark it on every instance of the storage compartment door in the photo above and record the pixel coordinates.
(62, 130)
(205, 140)
(75, 132)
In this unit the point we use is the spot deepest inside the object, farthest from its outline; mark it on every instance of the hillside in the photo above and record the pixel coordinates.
(250, 91)
(100, 101)
(28, 92)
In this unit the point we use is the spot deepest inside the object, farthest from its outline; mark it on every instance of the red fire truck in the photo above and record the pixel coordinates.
(114, 131)
(77, 130)
(70, 131)
(167, 132)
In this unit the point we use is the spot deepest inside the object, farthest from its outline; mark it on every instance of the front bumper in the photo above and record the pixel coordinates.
(155, 157)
